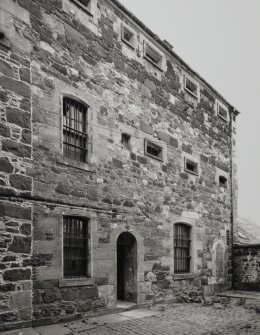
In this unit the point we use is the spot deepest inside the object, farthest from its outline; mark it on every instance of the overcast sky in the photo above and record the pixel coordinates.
(220, 39)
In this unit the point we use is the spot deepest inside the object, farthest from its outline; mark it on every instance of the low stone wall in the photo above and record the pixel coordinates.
(247, 267)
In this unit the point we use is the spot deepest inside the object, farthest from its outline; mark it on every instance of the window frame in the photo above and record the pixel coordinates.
(224, 108)
(87, 9)
(159, 158)
(194, 82)
(87, 271)
(158, 65)
(86, 149)
(189, 265)
(193, 162)
(124, 27)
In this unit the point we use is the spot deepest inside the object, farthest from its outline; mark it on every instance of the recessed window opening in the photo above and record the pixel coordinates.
(222, 181)
(152, 55)
(75, 247)
(191, 87)
(83, 3)
(153, 150)
(127, 36)
(191, 167)
(222, 112)
(228, 237)
(74, 130)
(182, 244)
(125, 140)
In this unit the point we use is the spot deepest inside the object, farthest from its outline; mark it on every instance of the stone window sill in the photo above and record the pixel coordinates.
(183, 276)
(72, 282)
(75, 164)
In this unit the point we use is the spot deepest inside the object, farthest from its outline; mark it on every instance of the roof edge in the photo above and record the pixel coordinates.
(165, 46)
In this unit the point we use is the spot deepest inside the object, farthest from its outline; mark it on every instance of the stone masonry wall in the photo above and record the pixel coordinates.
(15, 184)
(54, 49)
(247, 267)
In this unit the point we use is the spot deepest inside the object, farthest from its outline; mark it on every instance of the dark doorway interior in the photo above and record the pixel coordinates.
(126, 267)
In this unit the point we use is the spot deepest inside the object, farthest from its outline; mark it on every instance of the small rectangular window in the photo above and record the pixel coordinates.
(181, 248)
(152, 56)
(74, 130)
(75, 247)
(125, 140)
(153, 150)
(191, 86)
(127, 36)
(222, 112)
(191, 166)
(222, 181)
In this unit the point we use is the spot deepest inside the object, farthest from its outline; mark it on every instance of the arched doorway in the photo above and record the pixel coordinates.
(126, 267)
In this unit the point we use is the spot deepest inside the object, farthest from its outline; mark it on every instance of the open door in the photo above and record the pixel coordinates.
(126, 267)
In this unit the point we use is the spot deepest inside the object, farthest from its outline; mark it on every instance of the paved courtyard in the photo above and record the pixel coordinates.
(177, 319)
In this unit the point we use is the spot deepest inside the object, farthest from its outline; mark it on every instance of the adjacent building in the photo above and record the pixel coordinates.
(117, 165)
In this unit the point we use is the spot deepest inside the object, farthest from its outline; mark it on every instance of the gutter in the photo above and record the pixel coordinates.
(166, 46)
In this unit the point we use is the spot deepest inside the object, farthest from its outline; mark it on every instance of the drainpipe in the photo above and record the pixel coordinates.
(232, 232)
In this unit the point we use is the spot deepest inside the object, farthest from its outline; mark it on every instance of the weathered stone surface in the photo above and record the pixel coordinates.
(63, 189)
(25, 74)
(5, 165)
(146, 128)
(7, 287)
(14, 211)
(17, 274)
(21, 245)
(19, 117)
(27, 136)
(4, 130)
(21, 182)
(25, 229)
(6, 69)
(16, 86)
(17, 149)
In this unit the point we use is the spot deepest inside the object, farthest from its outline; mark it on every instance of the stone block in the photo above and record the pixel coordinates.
(174, 142)
(15, 86)
(6, 69)
(21, 182)
(25, 74)
(20, 300)
(5, 165)
(89, 292)
(146, 128)
(164, 137)
(16, 149)
(17, 274)
(7, 287)
(4, 130)
(21, 245)
(51, 296)
(63, 189)
(15, 211)
(18, 117)
(25, 229)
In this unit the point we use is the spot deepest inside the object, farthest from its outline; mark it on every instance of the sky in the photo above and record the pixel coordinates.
(219, 39)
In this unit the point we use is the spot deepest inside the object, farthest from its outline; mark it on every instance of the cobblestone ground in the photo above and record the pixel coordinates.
(177, 319)
(180, 319)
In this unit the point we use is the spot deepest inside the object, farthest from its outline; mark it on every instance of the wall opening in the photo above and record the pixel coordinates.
(126, 267)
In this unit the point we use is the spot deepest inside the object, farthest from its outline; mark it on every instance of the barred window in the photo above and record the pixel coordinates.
(75, 138)
(182, 248)
(75, 247)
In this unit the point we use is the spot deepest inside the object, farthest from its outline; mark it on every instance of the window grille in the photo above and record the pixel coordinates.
(181, 248)
(75, 247)
(75, 136)
(228, 237)
(153, 150)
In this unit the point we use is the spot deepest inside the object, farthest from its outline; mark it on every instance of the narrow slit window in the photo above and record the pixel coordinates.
(127, 36)
(153, 150)
(191, 87)
(222, 181)
(75, 247)
(75, 138)
(222, 112)
(191, 167)
(153, 56)
(85, 4)
(182, 244)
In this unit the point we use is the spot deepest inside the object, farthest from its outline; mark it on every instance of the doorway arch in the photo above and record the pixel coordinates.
(126, 267)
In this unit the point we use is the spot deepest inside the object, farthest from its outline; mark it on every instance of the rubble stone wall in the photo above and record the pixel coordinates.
(53, 49)
(247, 267)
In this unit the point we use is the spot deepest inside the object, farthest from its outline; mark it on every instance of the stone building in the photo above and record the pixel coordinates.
(117, 165)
